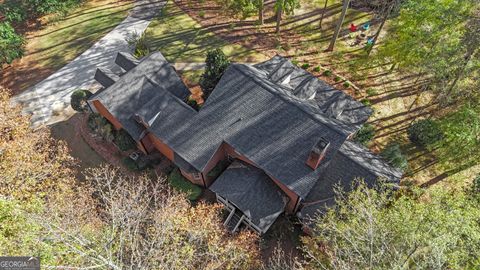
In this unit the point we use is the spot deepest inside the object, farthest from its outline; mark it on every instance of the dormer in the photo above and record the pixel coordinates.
(317, 153)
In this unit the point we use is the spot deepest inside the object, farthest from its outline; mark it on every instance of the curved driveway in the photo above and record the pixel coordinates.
(49, 100)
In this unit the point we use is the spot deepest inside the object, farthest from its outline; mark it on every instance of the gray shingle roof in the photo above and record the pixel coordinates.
(267, 125)
(127, 61)
(105, 77)
(144, 90)
(352, 161)
(253, 192)
(322, 96)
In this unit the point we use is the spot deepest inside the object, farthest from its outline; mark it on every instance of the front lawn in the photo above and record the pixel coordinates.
(181, 184)
(60, 39)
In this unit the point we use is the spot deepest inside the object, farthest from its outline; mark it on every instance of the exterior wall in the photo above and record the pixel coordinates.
(217, 157)
(161, 147)
(141, 148)
(105, 113)
(148, 144)
(191, 177)
(168, 152)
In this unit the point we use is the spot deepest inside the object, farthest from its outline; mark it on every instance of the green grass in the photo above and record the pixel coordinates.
(64, 38)
(67, 38)
(182, 39)
(181, 184)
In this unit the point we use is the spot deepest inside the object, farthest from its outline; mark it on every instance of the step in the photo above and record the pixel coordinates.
(234, 221)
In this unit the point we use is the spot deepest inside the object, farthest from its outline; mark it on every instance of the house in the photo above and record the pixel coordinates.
(280, 136)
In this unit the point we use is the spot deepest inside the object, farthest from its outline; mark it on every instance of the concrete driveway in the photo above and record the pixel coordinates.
(49, 100)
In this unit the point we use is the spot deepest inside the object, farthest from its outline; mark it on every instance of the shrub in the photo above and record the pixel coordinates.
(193, 103)
(138, 42)
(124, 141)
(365, 134)
(337, 79)
(295, 62)
(317, 69)
(327, 73)
(371, 92)
(13, 11)
(216, 64)
(201, 14)
(130, 164)
(305, 66)
(78, 100)
(136, 165)
(393, 154)
(11, 44)
(424, 132)
(178, 182)
(99, 125)
(346, 84)
(366, 102)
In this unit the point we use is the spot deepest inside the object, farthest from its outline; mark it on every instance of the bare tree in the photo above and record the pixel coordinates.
(140, 223)
(323, 13)
(261, 8)
(346, 3)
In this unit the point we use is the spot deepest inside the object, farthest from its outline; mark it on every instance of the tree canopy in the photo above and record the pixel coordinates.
(371, 228)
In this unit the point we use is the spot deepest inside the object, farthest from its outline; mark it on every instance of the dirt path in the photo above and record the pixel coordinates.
(49, 100)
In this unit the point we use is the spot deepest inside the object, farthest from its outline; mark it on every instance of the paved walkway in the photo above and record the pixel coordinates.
(49, 100)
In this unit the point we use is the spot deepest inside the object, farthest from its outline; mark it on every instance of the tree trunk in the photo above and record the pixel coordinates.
(346, 3)
(279, 19)
(377, 34)
(261, 20)
(323, 13)
(460, 72)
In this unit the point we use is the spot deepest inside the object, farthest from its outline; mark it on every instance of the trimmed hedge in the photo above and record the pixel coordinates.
(78, 100)
(424, 132)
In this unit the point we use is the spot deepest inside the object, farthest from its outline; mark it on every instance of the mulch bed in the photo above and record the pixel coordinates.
(107, 150)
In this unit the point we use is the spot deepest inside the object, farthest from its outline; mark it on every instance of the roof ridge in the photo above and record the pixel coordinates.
(349, 143)
(289, 99)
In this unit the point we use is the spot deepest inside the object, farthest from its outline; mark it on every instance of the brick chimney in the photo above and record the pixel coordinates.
(317, 153)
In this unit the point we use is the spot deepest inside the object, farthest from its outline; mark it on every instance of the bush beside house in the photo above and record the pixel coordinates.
(123, 140)
(393, 154)
(99, 125)
(365, 134)
(78, 100)
(216, 64)
(178, 182)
